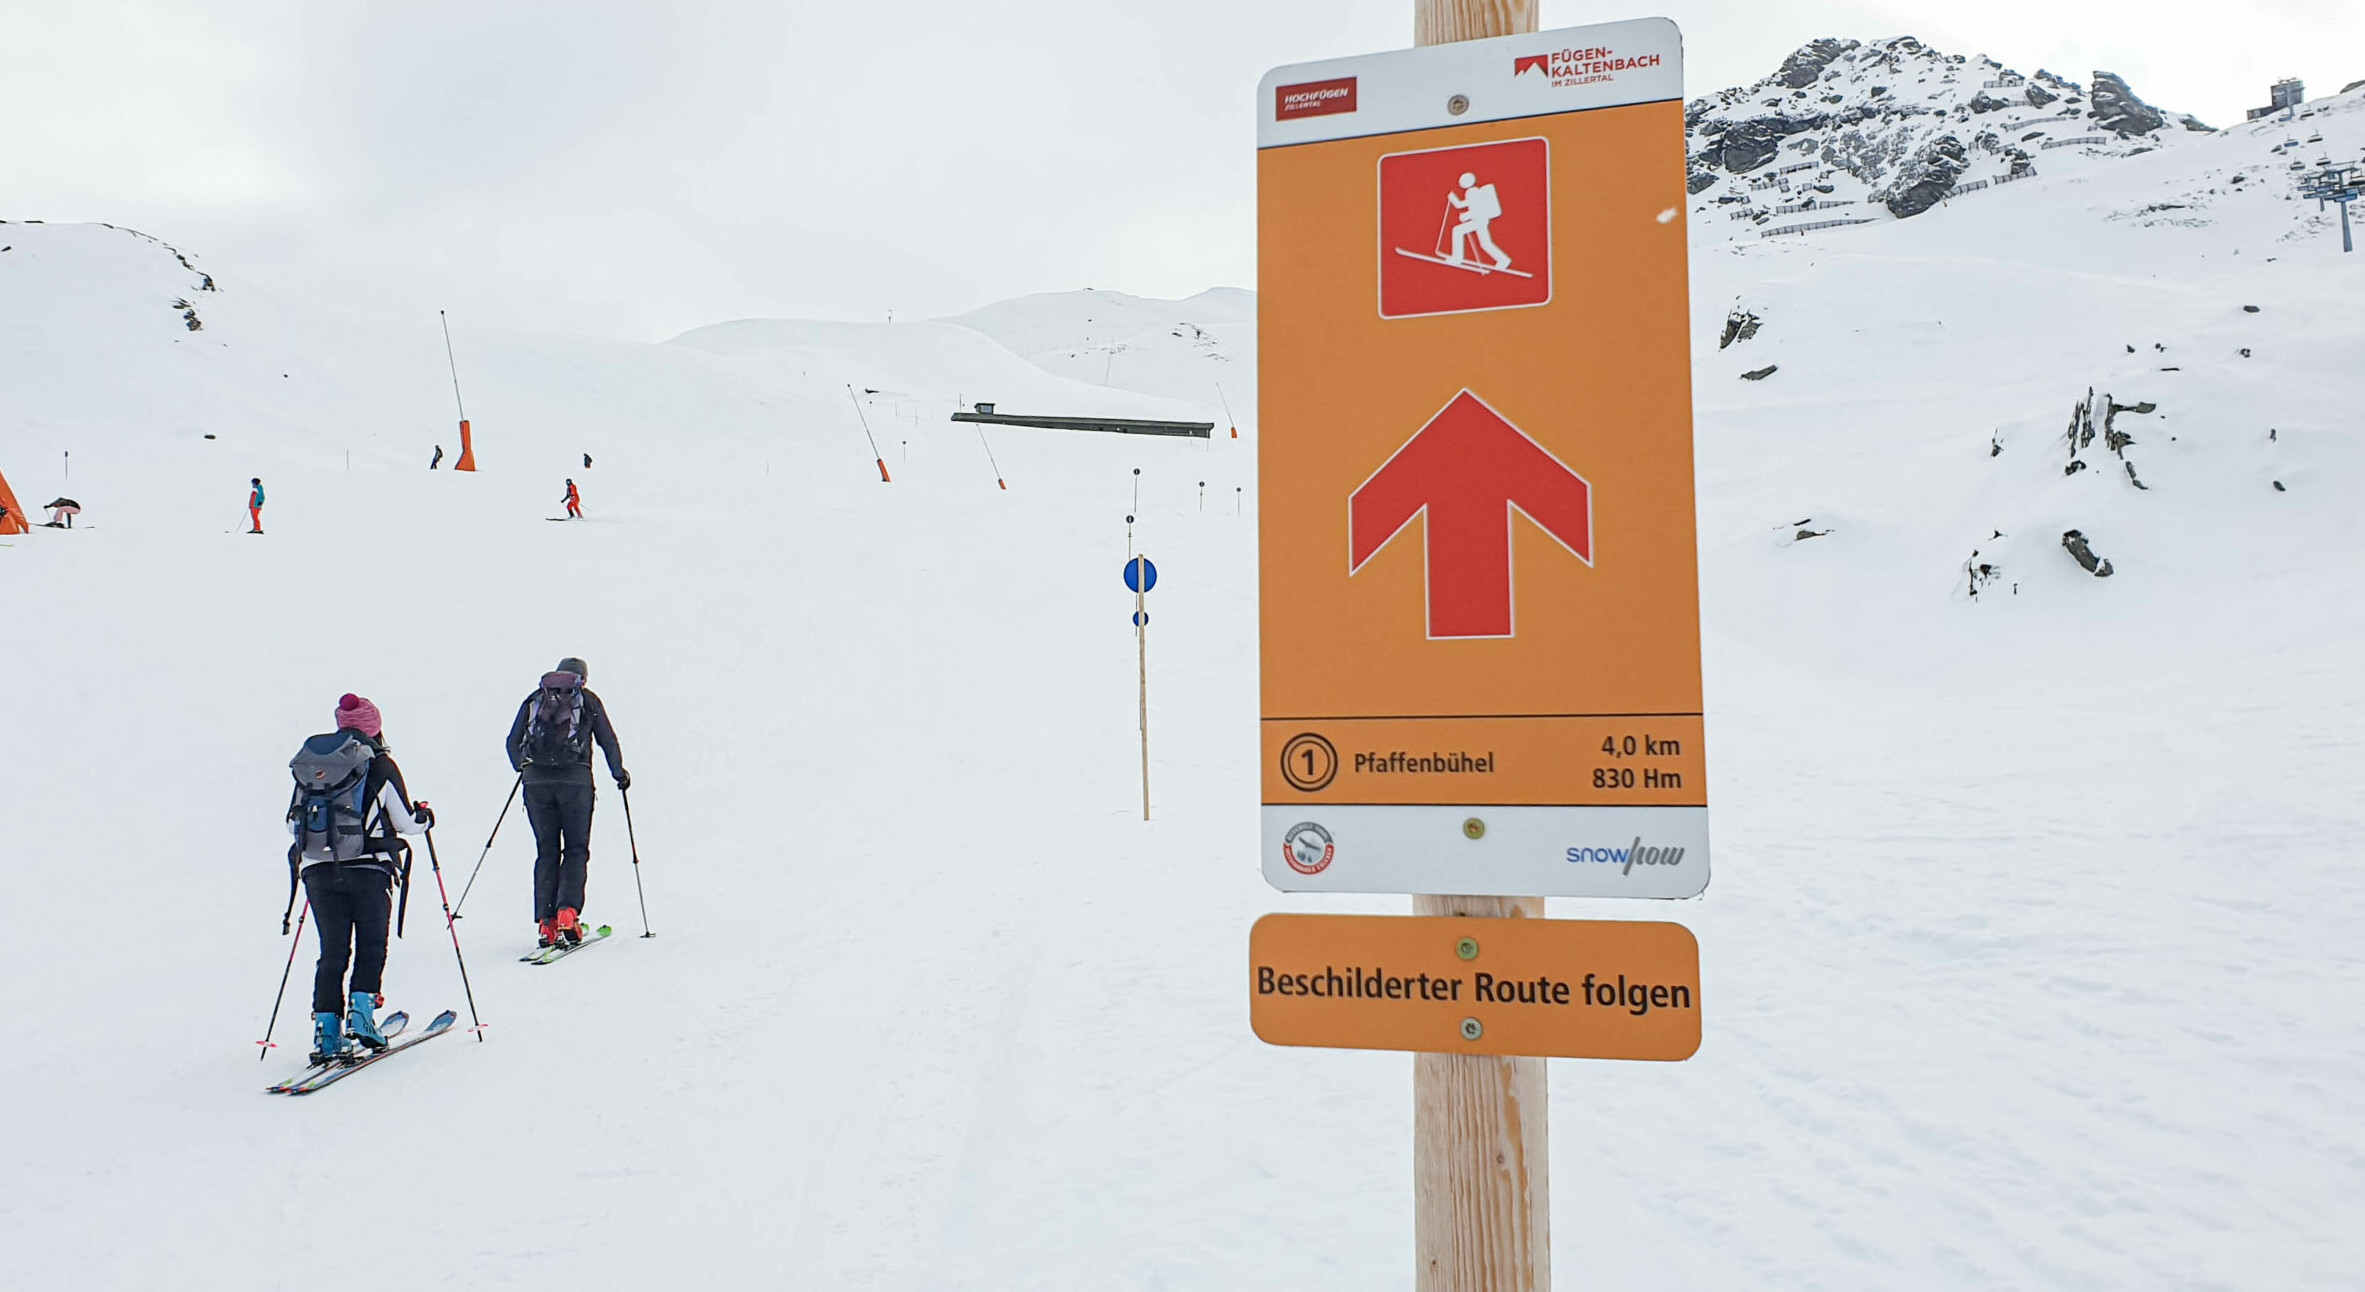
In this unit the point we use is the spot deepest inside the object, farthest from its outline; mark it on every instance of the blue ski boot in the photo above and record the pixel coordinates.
(328, 1039)
(361, 1021)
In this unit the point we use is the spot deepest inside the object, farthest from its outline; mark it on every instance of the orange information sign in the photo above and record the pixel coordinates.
(1481, 633)
(1577, 989)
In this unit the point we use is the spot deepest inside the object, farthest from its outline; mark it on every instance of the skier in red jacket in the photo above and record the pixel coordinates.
(574, 502)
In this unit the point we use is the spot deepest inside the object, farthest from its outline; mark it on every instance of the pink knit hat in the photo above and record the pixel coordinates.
(357, 714)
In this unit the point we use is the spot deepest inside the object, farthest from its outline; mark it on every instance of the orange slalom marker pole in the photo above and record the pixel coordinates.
(467, 460)
(881, 458)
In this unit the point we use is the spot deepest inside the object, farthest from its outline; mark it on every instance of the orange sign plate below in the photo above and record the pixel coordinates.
(1575, 989)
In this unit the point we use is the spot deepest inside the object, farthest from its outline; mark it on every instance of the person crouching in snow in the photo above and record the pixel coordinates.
(350, 804)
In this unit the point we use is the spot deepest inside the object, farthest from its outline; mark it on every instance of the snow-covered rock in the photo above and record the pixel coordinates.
(1863, 131)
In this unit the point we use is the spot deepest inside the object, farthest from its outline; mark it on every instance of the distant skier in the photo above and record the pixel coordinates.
(587, 462)
(550, 746)
(437, 460)
(1480, 207)
(254, 505)
(574, 502)
(350, 803)
(62, 512)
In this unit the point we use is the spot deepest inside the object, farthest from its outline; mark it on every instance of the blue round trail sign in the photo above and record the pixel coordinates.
(1140, 575)
(1141, 618)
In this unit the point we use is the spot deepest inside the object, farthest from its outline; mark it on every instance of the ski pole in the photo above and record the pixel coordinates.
(451, 923)
(466, 888)
(284, 974)
(626, 795)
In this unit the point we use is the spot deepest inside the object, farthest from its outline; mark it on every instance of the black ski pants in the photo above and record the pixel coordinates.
(352, 907)
(561, 813)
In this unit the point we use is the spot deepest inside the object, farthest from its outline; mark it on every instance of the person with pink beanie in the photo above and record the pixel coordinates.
(350, 806)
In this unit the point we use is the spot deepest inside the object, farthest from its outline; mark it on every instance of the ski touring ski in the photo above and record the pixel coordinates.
(1473, 266)
(389, 1027)
(552, 955)
(322, 1078)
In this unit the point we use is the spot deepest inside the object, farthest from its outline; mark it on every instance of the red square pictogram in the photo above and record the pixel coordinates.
(1465, 229)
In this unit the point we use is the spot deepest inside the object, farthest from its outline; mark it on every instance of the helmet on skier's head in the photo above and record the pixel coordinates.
(1468, 179)
(575, 665)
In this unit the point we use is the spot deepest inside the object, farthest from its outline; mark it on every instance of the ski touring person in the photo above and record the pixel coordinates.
(437, 460)
(254, 505)
(550, 746)
(574, 502)
(349, 806)
(587, 462)
(1480, 207)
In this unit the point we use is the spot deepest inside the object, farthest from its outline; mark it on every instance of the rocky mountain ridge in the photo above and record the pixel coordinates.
(1887, 129)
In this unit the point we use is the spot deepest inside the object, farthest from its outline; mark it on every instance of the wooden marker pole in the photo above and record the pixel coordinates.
(1481, 1196)
(1141, 643)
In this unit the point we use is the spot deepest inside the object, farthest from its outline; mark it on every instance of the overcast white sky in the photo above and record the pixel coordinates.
(628, 168)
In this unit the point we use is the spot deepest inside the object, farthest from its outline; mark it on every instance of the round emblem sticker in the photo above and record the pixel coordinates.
(1307, 848)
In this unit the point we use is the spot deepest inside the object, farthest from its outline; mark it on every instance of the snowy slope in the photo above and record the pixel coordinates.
(2030, 961)
(1202, 350)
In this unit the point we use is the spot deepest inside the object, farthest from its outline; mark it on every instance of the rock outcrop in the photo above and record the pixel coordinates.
(1805, 65)
(1920, 183)
(2117, 110)
(2078, 548)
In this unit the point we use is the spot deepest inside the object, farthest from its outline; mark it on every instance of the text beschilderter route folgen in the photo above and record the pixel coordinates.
(1607, 989)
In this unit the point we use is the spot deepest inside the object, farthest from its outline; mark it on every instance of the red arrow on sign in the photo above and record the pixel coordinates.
(1469, 469)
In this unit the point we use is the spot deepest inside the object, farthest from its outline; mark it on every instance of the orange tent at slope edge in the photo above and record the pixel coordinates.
(14, 522)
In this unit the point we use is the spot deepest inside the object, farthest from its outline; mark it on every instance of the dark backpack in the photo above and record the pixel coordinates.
(557, 732)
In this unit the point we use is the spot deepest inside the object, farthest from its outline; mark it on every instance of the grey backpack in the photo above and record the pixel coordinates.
(331, 799)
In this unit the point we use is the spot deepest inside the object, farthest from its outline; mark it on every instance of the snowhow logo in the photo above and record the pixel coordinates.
(1626, 858)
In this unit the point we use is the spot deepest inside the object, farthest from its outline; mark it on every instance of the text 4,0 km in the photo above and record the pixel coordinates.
(1647, 746)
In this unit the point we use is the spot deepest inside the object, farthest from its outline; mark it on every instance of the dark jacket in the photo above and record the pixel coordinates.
(595, 716)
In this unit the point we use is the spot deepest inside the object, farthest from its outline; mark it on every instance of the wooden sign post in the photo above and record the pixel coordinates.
(1478, 562)
(1481, 1123)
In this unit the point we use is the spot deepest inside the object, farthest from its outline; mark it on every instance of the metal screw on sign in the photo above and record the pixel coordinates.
(1474, 828)
(1467, 948)
(1458, 104)
(1472, 1029)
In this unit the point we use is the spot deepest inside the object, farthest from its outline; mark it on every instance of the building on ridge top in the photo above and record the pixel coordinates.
(2286, 94)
